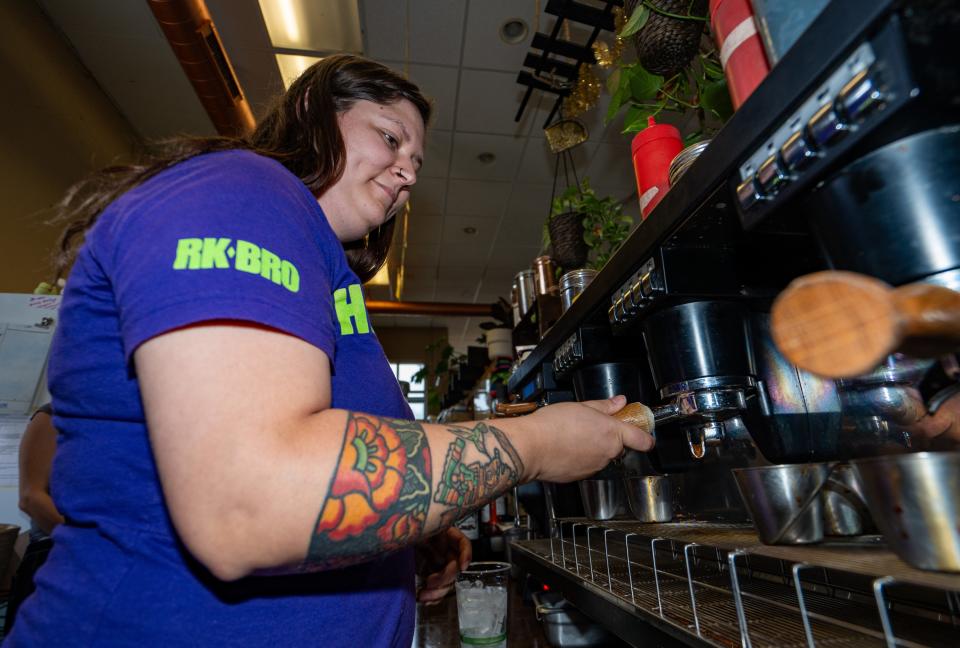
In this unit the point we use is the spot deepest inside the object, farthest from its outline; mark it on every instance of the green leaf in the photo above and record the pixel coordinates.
(716, 99)
(643, 85)
(640, 121)
(613, 81)
(636, 21)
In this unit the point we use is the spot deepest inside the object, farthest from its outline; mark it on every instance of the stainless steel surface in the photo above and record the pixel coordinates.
(684, 159)
(784, 501)
(915, 500)
(650, 498)
(602, 499)
(679, 576)
(573, 283)
(564, 625)
(525, 291)
(747, 194)
(844, 510)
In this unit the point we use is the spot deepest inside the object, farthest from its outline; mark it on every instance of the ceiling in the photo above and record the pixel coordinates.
(453, 50)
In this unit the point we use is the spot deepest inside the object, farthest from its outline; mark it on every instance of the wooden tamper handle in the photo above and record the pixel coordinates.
(634, 413)
(841, 324)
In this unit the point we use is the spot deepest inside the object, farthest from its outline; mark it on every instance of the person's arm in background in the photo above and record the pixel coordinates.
(259, 473)
(37, 447)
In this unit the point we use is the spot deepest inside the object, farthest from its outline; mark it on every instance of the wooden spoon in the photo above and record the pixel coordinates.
(841, 324)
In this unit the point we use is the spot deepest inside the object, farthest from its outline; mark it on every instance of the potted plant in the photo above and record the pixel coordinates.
(601, 225)
(564, 230)
(677, 70)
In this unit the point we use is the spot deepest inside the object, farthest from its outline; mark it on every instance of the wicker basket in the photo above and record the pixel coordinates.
(666, 45)
(570, 251)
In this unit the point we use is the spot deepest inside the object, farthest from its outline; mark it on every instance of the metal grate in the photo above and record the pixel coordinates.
(718, 583)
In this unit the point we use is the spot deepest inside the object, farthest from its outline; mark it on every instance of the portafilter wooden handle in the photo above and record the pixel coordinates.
(637, 414)
(634, 413)
(842, 324)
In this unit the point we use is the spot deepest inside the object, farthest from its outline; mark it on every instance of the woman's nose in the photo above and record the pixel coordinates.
(407, 172)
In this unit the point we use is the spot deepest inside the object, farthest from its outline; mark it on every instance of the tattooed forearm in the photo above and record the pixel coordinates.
(382, 495)
(470, 478)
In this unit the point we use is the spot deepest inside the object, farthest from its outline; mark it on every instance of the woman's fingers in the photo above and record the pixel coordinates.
(607, 405)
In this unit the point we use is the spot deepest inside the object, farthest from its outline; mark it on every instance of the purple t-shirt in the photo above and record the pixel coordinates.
(228, 235)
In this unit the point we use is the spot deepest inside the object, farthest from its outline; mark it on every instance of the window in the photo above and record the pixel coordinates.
(404, 371)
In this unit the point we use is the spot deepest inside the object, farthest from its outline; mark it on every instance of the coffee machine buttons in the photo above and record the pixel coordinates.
(796, 153)
(612, 314)
(825, 126)
(747, 194)
(770, 176)
(859, 96)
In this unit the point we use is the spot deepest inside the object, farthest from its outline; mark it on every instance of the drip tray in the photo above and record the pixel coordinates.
(705, 583)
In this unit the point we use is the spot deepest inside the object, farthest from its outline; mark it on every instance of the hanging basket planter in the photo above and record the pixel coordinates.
(665, 45)
(566, 237)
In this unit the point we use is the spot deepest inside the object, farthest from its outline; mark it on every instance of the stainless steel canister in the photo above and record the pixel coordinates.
(525, 291)
(573, 283)
(684, 159)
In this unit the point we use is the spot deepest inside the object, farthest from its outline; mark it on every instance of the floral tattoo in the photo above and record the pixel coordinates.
(380, 493)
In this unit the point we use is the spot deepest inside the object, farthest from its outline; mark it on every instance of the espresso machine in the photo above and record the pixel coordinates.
(811, 506)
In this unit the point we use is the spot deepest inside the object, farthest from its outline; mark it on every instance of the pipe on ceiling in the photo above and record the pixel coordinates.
(429, 308)
(196, 44)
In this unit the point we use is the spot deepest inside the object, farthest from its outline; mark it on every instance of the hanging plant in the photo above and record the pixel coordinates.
(665, 78)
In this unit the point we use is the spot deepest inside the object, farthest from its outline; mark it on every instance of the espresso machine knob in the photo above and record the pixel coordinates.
(747, 194)
(797, 152)
(859, 96)
(770, 176)
(825, 126)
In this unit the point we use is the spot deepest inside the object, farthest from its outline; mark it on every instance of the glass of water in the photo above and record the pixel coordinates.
(482, 604)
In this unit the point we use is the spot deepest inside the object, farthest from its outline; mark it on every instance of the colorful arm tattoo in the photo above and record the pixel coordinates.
(380, 494)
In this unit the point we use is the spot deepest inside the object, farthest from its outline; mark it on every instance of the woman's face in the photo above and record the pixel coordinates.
(384, 145)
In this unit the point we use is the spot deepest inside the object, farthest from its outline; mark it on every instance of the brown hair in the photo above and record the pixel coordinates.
(300, 131)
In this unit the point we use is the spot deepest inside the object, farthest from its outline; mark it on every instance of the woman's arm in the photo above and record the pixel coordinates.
(260, 473)
(37, 447)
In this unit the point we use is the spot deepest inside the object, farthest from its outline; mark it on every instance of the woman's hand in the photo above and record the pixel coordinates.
(439, 559)
(570, 441)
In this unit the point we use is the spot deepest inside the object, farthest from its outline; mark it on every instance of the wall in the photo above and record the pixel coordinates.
(58, 125)
(409, 344)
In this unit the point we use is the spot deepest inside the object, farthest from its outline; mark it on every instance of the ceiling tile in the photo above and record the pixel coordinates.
(435, 30)
(464, 253)
(428, 196)
(483, 45)
(510, 258)
(483, 199)
(481, 237)
(527, 212)
(425, 228)
(467, 146)
(423, 255)
(611, 170)
(488, 102)
(436, 156)
(439, 84)
(538, 164)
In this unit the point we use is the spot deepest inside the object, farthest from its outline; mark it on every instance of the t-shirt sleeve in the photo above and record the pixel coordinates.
(224, 238)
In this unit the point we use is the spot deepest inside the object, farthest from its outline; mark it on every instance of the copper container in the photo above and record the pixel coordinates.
(545, 276)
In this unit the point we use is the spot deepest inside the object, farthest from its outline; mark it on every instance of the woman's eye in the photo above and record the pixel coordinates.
(391, 140)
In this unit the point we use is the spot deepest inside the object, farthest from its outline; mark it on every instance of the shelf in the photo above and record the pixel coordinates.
(840, 27)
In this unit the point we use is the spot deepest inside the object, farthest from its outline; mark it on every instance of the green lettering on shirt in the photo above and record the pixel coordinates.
(211, 253)
(351, 308)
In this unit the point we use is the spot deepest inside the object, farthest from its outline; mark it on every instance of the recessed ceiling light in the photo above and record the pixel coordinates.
(513, 31)
(469, 230)
(486, 157)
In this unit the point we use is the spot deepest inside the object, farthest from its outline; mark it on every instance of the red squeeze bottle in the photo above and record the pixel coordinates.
(741, 50)
(653, 150)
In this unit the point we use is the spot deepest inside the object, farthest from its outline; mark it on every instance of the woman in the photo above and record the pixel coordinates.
(237, 465)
